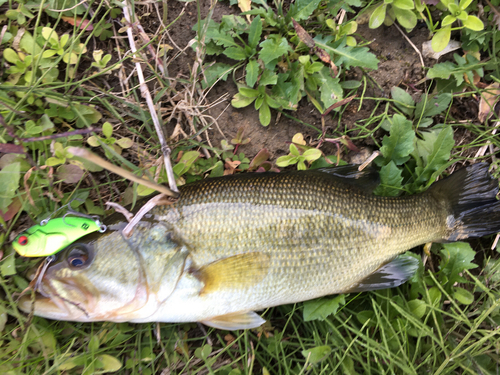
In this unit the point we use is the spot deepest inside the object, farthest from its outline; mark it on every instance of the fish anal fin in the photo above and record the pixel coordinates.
(236, 272)
(390, 275)
(233, 321)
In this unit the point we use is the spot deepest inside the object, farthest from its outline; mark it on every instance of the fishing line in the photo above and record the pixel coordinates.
(44, 266)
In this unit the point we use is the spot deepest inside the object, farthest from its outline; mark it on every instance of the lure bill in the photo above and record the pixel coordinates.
(54, 235)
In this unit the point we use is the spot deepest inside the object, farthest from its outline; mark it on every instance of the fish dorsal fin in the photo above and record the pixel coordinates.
(366, 180)
(235, 272)
(233, 321)
(390, 275)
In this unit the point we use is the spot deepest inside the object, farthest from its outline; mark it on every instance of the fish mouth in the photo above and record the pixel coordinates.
(51, 308)
(47, 303)
(73, 299)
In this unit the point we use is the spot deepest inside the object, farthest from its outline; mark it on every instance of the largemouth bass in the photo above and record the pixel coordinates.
(234, 245)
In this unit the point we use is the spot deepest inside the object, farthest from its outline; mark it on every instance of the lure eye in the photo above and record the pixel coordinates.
(23, 240)
(78, 256)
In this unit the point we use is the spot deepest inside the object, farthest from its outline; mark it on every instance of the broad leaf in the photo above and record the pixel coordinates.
(458, 257)
(317, 354)
(273, 48)
(430, 106)
(125, 142)
(302, 9)
(8, 263)
(417, 307)
(252, 70)
(221, 38)
(240, 101)
(312, 154)
(268, 78)
(474, 23)
(438, 157)
(86, 115)
(108, 363)
(187, 160)
(11, 56)
(235, 53)
(464, 4)
(347, 55)
(442, 70)
(424, 145)
(70, 173)
(9, 182)
(255, 32)
(403, 100)
(330, 89)
(378, 16)
(390, 181)
(399, 144)
(440, 40)
(463, 296)
(107, 129)
(405, 17)
(321, 308)
(448, 20)
(265, 114)
(403, 4)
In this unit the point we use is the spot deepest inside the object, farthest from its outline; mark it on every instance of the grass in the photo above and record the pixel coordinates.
(424, 326)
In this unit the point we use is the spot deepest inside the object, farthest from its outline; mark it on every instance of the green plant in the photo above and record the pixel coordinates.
(260, 162)
(263, 101)
(462, 72)
(344, 30)
(117, 144)
(421, 113)
(103, 30)
(62, 46)
(408, 12)
(238, 140)
(299, 154)
(401, 10)
(37, 60)
(101, 62)
(457, 12)
(21, 14)
(426, 155)
(280, 70)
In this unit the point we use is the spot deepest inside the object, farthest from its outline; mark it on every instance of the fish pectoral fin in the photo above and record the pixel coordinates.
(390, 275)
(236, 272)
(233, 321)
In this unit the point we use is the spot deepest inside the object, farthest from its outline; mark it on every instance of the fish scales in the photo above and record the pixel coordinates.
(316, 231)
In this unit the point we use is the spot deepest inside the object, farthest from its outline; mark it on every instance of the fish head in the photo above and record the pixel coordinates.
(108, 277)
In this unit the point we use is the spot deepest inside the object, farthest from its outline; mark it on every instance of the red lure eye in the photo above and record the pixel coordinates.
(23, 240)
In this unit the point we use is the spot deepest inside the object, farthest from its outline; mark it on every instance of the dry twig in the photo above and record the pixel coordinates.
(149, 100)
(83, 153)
(411, 44)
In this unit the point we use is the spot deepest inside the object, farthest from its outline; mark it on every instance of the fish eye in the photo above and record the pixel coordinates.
(78, 256)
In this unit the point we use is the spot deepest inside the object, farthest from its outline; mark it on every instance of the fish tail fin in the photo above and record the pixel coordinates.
(470, 194)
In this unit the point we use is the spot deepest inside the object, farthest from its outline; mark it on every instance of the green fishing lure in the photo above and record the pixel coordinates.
(54, 235)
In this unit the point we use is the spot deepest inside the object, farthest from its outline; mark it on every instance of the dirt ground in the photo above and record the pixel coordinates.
(399, 66)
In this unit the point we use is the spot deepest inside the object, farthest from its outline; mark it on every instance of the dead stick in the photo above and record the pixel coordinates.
(412, 45)
(90, 156)
(149, 100)
(61, 135)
